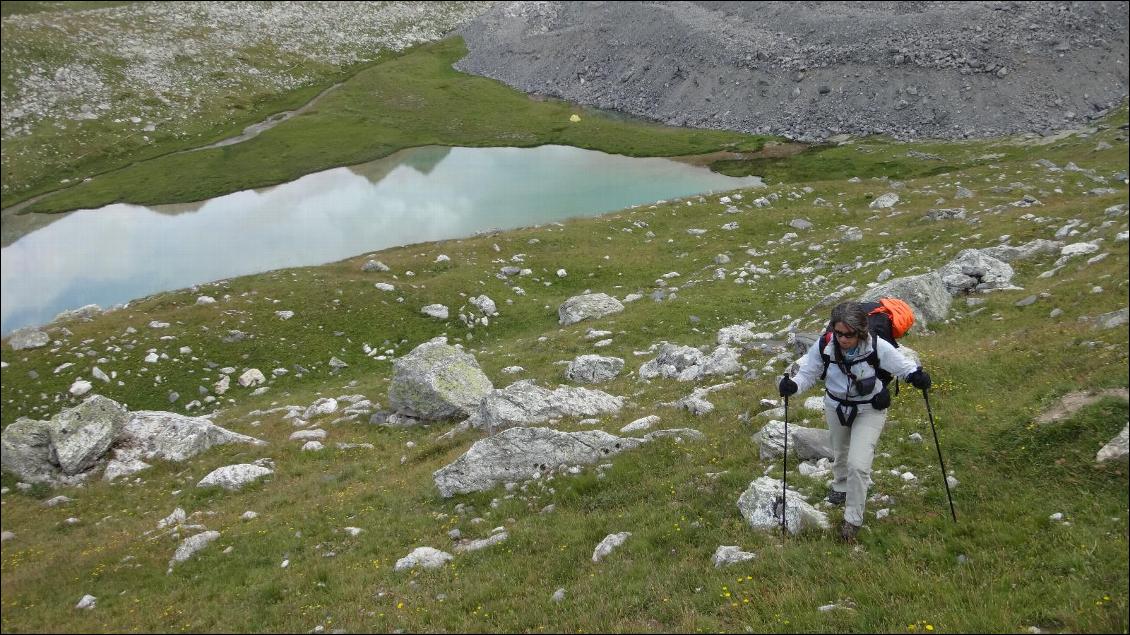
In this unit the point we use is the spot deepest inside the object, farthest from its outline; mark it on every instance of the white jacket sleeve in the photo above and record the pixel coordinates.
(810, 367)
(893, 361)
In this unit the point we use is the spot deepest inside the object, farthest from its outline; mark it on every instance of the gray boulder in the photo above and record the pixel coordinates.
(805, 443)
(482, 543)
(1117, 449)
(485, 305)
(686, 363)
(975, 270)
(25, 450)
(80, 435)
(610, 542)
(27, 338)
(1030, 249)
(519, 454)
(425, 557)
(594, 369)
(758, 505)
(190, 546)
(117, 468)
(234, 477)
(727, 555)
(76, 439)
(437, 381)
(583, 307)
(523, 403)
(885, 201)
(168, 436)
(926, 294)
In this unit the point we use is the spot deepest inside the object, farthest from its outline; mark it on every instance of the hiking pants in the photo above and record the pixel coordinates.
(853, 449)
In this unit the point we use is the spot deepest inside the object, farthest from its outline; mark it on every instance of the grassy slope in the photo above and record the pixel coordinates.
(415, 100)
(994, 371)
(87, 149)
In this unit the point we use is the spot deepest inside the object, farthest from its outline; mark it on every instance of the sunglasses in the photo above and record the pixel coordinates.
(846, 335)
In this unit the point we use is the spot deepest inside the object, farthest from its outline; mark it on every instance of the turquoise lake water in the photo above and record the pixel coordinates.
(122, 252)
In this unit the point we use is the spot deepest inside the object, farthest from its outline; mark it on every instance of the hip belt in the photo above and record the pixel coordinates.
(851, 407)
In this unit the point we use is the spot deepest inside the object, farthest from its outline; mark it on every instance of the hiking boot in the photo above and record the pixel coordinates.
(848, 532)
(836, 498)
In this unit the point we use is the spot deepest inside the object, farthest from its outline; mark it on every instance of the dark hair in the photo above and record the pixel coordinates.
(851, 315)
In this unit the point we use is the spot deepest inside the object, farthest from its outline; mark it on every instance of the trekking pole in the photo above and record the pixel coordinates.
(945, 479)
(785, 468)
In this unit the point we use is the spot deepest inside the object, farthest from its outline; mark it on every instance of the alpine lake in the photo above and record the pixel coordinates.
(122, 252)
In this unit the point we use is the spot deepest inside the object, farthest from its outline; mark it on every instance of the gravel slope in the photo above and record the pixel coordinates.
(810, 70)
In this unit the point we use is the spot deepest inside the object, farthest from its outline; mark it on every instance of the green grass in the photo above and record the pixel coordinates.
(20, 7)
(416, 99)
(1003, 567)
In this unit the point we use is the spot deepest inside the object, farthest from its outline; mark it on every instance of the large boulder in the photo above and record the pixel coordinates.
(1030, 249)
(234, 477)
(758, 505)
(805, 443)
(524, 403)
(25, 450)
(583, 307)
(27, 338)
(168, 436)
(594, 369)
(80, 435)
(686, 363)
(926, 294)
(437, 381)
(80, 438)
(975, 270)
(520, 454)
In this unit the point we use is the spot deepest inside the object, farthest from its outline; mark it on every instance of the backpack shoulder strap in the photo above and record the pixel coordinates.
(824, 339)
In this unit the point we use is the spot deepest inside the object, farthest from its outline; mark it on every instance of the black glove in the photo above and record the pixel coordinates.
(881, 400)
(787, 386)
(919, 379)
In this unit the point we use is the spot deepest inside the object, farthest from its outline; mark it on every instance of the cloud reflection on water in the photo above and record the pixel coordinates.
(121, 251)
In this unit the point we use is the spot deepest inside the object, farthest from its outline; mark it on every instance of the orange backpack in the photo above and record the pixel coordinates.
(898, 312)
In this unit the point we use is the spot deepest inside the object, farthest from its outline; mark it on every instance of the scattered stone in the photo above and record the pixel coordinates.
(643, 423)
(885, 201)
(610, 542)
(727, 555)
(87, 602)
(589, 306)
(758, 505)
(251, 377)
(234, 477)
(594, 369)
(191, 546)
(425, 557)
(1117, 448)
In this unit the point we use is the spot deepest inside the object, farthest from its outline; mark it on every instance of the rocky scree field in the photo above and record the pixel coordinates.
(90, 90)
(345, 519)
(815, 70)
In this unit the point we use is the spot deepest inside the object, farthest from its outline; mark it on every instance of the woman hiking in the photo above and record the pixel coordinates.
(855, 401)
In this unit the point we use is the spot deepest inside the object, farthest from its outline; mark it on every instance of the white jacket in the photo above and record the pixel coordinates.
(837, 383)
